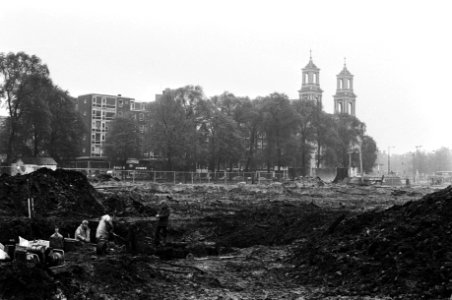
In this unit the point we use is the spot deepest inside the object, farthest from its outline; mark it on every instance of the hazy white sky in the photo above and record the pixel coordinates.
(399, 51)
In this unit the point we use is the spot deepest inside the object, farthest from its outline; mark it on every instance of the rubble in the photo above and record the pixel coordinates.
(404, 250)
(224, 241)
(54, 193)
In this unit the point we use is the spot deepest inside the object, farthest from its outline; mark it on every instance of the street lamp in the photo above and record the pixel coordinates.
(414, 161)
(389, 158)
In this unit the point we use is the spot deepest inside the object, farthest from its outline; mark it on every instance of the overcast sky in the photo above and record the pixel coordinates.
(400, 53)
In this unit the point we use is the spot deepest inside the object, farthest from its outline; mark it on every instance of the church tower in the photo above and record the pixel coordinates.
(310, 84)
(345, 99)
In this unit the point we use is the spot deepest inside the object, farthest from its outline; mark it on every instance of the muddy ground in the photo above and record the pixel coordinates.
(225, 242)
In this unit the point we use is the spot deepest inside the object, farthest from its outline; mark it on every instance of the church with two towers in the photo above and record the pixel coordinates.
(344, 99)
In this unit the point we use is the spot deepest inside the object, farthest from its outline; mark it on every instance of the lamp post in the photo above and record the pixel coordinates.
(389, 158)
(414, 161)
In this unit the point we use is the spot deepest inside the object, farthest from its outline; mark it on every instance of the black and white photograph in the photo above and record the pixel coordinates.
(225, 150)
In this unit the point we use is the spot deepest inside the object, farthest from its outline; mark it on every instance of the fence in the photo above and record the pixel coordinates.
(187, 177)
(5, 170)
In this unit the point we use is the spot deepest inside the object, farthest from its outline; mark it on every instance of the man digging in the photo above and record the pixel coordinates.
(104, 229)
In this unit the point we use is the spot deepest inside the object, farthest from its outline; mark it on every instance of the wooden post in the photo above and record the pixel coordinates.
(29, 207)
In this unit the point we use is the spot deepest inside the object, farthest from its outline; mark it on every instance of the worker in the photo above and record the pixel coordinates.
(83, 232)
(103, 231)
(56, 239)
(162, 223)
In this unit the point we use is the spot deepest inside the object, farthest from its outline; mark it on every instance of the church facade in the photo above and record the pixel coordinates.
(344, 100)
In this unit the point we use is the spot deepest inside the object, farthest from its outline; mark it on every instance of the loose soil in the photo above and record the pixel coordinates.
(294, 240)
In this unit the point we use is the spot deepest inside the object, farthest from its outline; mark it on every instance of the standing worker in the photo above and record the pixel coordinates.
(83, 233)
(103, 231)
(162, 222)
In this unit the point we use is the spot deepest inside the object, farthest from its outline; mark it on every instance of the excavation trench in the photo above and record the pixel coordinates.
(224, 242)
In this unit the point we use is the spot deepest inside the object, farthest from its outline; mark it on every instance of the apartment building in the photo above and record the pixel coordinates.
(98, 111)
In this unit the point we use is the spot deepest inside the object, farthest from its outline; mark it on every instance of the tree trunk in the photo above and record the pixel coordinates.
(250, 151)
(11, 138)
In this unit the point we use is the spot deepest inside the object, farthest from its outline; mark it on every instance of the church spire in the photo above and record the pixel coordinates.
(310, 84)
(345, 98)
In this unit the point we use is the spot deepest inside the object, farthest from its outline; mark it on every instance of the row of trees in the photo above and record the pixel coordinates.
(419, 162)
(190, 131)
(41, 116)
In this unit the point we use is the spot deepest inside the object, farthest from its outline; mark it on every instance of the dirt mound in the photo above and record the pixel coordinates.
(24, 283)
(128, 203)
(402, 250)
(269, 224)
(59, 192)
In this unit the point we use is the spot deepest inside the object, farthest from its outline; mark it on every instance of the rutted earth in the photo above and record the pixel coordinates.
(225, 242)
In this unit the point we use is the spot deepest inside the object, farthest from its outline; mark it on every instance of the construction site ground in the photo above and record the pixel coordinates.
(225, 241)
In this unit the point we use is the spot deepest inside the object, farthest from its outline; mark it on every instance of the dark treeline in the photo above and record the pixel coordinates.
(223, 132)
(42, 120)
(187, 130)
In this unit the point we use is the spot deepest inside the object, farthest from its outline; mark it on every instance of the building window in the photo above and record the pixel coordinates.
(119, 102)
(141, 128)
(141, 116)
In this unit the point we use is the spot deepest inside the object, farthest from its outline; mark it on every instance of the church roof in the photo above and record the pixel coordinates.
(345, 72)
(311, 65)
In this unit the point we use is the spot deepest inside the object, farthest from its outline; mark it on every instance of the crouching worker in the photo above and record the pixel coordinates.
(104, 229)
(83, 232)
(162, 223)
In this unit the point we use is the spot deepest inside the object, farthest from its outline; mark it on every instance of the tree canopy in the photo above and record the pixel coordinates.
(41, 120)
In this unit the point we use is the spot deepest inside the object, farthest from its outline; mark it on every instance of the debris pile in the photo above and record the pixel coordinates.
(23, 282)
(60, 192)
(103, 178)
(271, 224)
(404, 250)
(128, 203)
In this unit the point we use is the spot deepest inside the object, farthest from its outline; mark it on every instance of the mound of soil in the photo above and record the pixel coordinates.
(127, 203)
(55, 193)
(24, 283)
(271, 224)
(404, 250)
